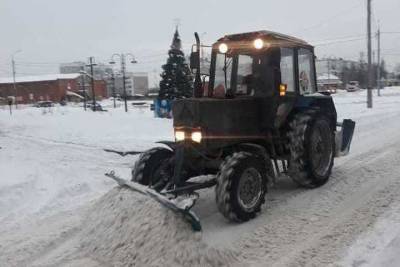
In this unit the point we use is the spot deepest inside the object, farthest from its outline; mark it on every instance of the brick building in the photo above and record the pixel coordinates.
(46, 87)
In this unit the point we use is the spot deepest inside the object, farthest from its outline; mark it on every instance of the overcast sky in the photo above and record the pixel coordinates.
(52, 31)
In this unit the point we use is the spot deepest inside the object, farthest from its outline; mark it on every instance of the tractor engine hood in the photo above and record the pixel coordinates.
(243, 117)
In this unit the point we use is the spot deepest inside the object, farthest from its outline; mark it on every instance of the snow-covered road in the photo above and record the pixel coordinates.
(52, 166)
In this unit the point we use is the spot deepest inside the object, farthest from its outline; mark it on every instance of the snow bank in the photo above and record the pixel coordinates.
(115, 129)
(125, 228)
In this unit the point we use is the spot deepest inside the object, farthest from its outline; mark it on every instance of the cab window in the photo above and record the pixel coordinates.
(223, 69)
(244, 75)
(287, 70)
(306, 72)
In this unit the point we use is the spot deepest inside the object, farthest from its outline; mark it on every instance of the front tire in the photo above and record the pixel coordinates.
(241, 186)
(148, 168)
(312, 148)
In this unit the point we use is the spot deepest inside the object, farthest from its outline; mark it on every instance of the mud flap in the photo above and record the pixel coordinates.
(180, 205)
(344, 137)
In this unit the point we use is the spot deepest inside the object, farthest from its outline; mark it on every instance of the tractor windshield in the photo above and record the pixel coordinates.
(244, 74)
(223, 74)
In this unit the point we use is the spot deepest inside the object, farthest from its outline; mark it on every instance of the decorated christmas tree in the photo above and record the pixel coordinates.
(177, 80)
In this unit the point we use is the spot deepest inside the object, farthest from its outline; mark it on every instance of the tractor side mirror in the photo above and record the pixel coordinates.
(194, 60)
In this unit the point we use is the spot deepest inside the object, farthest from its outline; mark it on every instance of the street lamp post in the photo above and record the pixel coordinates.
(13, 71)
(113, 87)
(122, 57)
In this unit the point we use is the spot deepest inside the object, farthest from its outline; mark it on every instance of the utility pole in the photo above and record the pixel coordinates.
(329, 68)
(379, 62)
(122, 57)
(15, 85)
(91, 64)
(83, 87)
(14, 73)
(369, 92)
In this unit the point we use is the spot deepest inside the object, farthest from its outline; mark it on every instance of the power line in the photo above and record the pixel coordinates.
(390, 32)
(339, 38)
(325, 21)
(340, 41)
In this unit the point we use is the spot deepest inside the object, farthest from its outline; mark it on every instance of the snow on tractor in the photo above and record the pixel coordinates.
(258, 116)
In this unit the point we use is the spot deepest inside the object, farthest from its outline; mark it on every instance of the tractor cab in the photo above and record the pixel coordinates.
(263, 64)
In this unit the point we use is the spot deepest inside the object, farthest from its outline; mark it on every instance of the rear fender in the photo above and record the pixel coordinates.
(344, 137)
(254, 149)
(323, 103)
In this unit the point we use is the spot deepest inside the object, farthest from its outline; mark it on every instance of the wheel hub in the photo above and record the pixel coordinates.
(250, 188)
(320, 149)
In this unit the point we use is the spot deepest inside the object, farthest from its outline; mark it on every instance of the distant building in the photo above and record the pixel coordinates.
(53, 87)
(119, 85)
(140, 83)
(329, 83)
(135, 84)
(73, 67)
(101, 71)
(334, 66)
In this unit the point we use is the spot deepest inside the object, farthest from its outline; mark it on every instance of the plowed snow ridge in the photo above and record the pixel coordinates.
(125, 228)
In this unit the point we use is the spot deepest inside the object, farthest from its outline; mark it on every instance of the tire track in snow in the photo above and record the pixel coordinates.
(314, 228)
(287, 220)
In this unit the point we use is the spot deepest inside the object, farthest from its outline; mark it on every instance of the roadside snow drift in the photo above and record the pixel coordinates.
(125, 228)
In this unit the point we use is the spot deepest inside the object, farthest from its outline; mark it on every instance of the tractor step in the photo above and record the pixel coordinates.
(181, 204)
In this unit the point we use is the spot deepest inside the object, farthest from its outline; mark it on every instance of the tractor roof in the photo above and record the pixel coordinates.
(268, 36)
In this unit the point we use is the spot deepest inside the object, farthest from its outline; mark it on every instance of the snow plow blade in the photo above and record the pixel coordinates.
(178, 205)
(344, 137)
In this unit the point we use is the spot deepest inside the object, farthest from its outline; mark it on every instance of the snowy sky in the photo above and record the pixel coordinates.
(52, 31)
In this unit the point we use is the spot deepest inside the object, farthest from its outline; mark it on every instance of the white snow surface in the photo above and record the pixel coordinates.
(58, 209)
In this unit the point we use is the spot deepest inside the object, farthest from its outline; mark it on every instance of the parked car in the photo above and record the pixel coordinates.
(97, 107)
(352, 86)
(44, 104)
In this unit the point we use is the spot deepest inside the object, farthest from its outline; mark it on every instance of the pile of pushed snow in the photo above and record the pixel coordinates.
(129, 229)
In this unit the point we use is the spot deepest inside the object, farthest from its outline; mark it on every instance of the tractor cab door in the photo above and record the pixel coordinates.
(287, 66)
(306, 73)
(308, 96)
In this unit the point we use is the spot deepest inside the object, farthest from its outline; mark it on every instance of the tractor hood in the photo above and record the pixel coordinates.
(240, 117)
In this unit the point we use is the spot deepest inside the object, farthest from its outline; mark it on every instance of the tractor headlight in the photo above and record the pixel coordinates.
(196, 137)
(258, 43)
(179, 136)
(223, 48)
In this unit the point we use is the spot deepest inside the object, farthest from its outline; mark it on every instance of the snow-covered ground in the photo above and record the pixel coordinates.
(52, 166)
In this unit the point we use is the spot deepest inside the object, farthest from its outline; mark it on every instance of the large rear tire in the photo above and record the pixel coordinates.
(312, 148)
(241, 186)
(150, 165)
